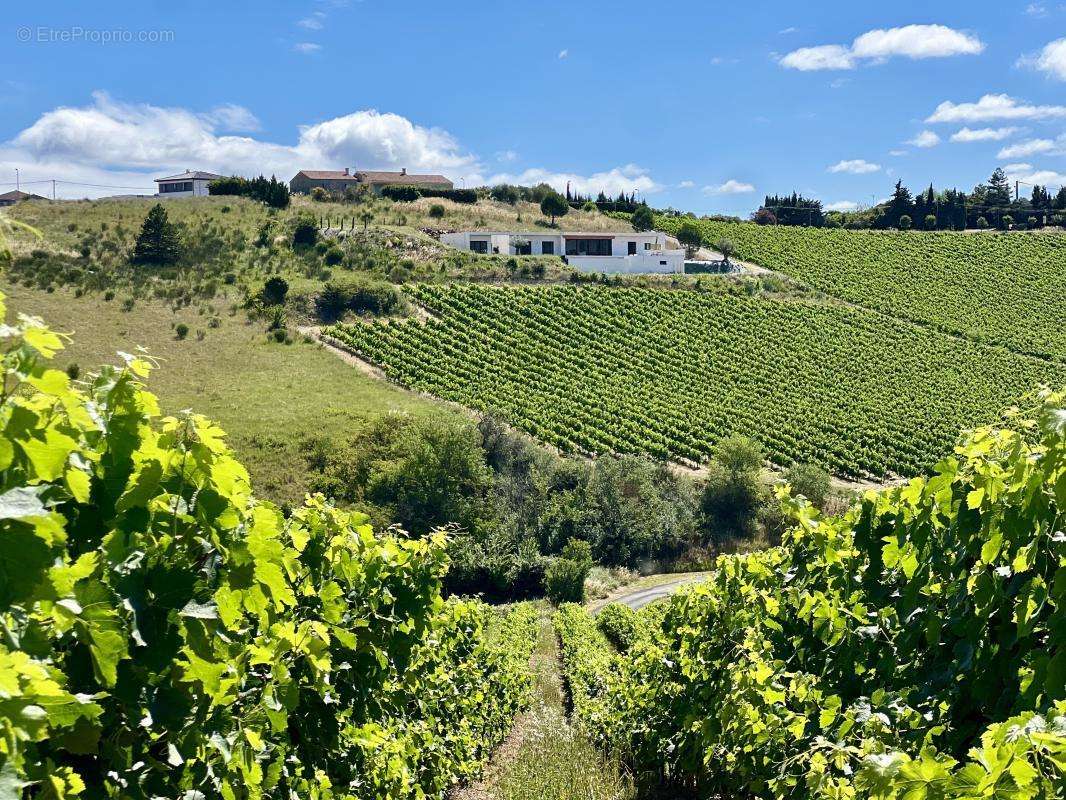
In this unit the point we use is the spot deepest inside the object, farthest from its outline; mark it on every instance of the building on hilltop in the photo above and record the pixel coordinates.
(15, 196)
(644, 252)
(191, 183)
(335, 180)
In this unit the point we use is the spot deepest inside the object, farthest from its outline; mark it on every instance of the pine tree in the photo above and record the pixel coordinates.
(158, 242)
(998, 189)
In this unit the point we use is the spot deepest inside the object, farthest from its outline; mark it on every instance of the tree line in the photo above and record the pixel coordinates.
(989, 205)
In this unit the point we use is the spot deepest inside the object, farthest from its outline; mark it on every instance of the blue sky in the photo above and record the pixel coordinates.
(702, 106)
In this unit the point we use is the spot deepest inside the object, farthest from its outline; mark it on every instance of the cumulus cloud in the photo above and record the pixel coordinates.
(1051, 60)
(1026, 173)
(620, 179)
(114, 143)
(993, 107)
(855, 166)
(731, 186)
(826, 56)
(908, 41)
(983, 134)
(842, 205)
(925, 139)
(1034, 147)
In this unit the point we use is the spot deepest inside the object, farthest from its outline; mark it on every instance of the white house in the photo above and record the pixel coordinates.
(589, 252)
(187, 184)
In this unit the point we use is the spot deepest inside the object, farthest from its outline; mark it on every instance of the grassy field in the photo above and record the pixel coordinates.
(267, 396)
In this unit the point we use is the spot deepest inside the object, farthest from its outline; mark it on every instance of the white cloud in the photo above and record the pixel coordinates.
(686, 184)
(620, 179)
(1033, 147)
(925, 139)
(306, 48)
(842, 205)
(839, 83)
(993, 107)
(124, 144)
(827, 56)
(231, 117)
(786, 31)
(855, 166)
(1051, 60)
(506, 156)
(1027, 174)
(908, 41)
(916, 41)
(897, 153)
(313, 22)
(1036, 10)
(983, 134)
(564, 54)
(731, 186)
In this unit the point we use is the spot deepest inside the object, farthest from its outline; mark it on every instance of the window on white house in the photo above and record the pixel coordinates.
(588, 247)
(647, 245)
(479, 246)
(547, 248)
(632, 248)
(166, 188)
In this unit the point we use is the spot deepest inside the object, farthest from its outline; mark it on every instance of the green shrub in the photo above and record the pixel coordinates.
(643, 219)
(619, 624)
(305, 231)
(436, 211)
(360, 294)
(275, 290)
(181, 330)
(334, 256)
(564, 580)
(905, 222)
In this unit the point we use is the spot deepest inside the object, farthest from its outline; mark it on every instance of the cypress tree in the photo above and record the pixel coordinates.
(158, 242)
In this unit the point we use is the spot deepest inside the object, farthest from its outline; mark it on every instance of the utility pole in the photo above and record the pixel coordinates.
(53, 189)
(17, 187)
(1016, 191)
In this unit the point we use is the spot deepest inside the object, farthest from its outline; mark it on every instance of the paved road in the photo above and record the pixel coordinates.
(639, 599)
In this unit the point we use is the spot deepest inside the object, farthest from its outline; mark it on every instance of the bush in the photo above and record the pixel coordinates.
(305, 231)
(436, 211)
(360, 294)
(618, 622)
(982, 222)
(73, 370)
(930, 222)
(564, 580)
(181, 330)
(333, 256)
(905, 222)
(275, 290)
(1006, 222)
(319, 194)
(643, 219)
(810, 481)
(273, 193)
(505, 193)
(733, 492)
(765, 216)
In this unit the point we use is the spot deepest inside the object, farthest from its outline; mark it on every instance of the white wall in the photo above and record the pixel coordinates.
(645, 261)
(199, 189)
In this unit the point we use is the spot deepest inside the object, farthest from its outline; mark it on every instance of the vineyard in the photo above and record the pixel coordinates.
(166, 635)
(669, 373)
(913, 648)
(1000, 288)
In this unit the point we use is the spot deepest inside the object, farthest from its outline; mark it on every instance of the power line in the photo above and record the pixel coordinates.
(76, 183)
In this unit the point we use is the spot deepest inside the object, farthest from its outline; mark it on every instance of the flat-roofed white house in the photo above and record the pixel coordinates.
(191, 183)
(608, 252)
